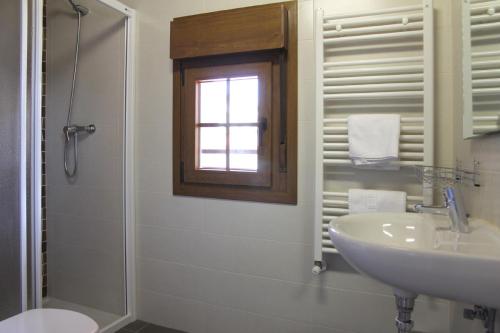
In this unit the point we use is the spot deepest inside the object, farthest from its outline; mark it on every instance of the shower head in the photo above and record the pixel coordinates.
(79, 8)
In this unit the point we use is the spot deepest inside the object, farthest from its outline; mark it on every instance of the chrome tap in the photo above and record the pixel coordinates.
(454, 208)
(71, 130)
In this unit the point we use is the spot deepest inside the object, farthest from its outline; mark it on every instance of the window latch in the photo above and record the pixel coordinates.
(262, 129)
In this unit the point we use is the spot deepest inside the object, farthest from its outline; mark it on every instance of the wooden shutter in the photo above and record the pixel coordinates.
(249, 29)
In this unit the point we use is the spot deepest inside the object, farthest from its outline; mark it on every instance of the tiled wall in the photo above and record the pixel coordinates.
(227, 266)
(483, 202)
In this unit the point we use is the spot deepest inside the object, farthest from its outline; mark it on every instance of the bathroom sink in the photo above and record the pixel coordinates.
(417, 254)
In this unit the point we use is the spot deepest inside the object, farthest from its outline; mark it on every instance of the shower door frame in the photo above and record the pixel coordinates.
(128, 165)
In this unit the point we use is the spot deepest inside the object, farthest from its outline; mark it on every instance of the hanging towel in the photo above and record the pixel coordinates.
(374, 141)
(369, 201)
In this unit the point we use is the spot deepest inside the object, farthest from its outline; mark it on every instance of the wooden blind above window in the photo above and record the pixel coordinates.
(222, 32)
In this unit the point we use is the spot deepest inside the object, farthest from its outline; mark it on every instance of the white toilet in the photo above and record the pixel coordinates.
(49, 321)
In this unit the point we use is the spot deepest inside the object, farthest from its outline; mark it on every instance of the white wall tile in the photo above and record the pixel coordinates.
(87, 233)
(86, 276)
(306, 163)
(306, 60)
(165, 210)
(174, 312)
(267, 221)
(306, 100)
(258, 295)
(170, 244)
(306, 18)
(171, 278)
(99, 204)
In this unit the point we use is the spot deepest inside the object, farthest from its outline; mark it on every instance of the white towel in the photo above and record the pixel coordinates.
(374, 140)
(369, 201)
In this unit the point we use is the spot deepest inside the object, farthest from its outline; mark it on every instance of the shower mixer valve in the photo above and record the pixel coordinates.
(70, 130)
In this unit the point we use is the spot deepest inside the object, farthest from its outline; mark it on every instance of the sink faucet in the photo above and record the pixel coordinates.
(454, 208)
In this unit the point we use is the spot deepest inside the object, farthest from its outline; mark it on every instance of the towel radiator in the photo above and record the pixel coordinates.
(377, 61)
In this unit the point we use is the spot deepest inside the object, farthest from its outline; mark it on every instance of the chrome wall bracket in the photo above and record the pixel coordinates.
(319, 267)
(485, 314)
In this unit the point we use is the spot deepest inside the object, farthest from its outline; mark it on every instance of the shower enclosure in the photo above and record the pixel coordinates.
(67, 236)
(88, 180)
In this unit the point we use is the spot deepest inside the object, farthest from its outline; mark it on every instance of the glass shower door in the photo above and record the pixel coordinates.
(11, 150)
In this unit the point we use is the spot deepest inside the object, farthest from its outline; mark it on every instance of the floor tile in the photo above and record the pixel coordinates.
(158, 329)
(135, 327)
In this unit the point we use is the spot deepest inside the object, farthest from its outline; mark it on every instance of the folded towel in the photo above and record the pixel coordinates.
(374, 140)
(368, 201)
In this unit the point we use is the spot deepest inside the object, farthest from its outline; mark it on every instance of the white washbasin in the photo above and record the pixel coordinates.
(411, 253)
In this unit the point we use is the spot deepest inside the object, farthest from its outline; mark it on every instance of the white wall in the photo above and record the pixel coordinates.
(85, 214)
(226, 266)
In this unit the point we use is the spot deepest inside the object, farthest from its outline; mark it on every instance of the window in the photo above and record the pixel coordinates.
(235, 121)
(226, 121)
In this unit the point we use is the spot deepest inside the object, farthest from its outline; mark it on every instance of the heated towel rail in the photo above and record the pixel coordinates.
(370, 62)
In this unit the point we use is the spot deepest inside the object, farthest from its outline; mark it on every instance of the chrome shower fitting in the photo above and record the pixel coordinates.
(485, 314)
(71, 130)
(79, 8)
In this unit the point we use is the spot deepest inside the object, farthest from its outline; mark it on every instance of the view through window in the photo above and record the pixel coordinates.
(227, 124)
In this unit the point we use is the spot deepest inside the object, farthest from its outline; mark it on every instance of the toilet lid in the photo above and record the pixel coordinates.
(49, 321)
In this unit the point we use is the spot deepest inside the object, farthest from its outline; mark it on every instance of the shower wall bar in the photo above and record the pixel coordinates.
(397, 78)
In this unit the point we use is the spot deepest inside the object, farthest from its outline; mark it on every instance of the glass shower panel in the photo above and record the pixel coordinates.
(85, 213)
(10, 231)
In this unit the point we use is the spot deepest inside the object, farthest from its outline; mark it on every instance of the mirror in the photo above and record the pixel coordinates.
(481, 67)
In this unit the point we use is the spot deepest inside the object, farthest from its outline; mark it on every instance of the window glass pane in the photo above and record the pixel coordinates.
(243, 162)
(213, 161)
(243, 142)
(213, 101)
(244, 100)
(212, 154)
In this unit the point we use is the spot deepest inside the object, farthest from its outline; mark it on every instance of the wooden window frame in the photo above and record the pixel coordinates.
(282, 184)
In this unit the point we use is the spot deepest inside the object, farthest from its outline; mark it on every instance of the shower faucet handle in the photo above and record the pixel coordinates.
(72, 129)
(90, 128)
